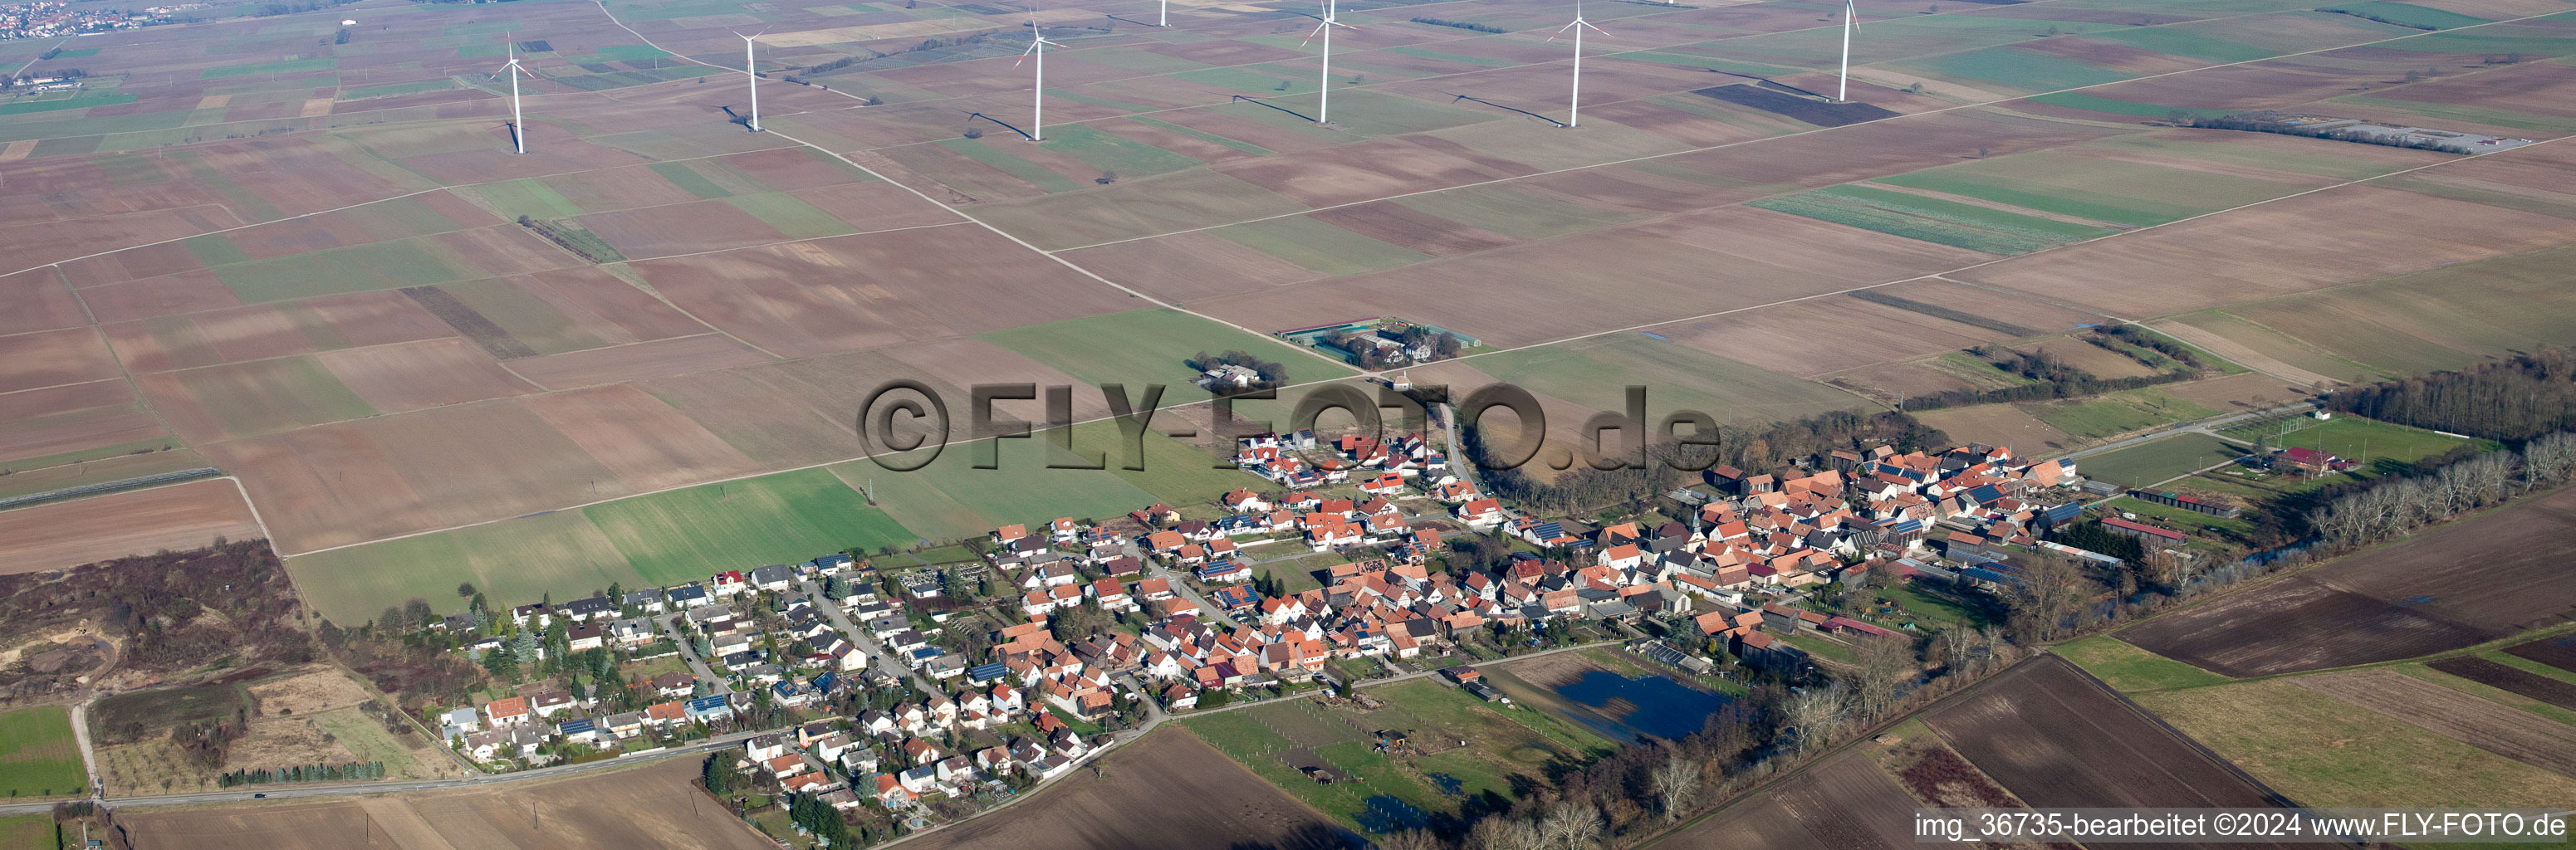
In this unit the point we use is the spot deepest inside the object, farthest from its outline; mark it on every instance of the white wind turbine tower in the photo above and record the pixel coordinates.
(751, 76)
(1037, 48)
(1324, 102)
(1165, 20)
(518, 129)
(1574, 103)
(1851, 21)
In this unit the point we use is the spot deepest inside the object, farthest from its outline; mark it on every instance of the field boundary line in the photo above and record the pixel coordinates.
(1940, 111)
(1979, 265)
(952, 209)
(2096, 681)
(789, 242)
(344, 208)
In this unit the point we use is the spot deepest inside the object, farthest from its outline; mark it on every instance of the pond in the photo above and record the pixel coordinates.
(1621, 708)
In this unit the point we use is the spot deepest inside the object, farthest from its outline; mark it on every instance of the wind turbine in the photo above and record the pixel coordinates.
(1037, 48)
(1324, 102)
(1574, 103)
(518, 129)
(1851, 21)
(751, 76)
(1165, 19)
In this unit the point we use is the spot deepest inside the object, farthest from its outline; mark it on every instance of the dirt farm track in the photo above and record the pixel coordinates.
(2472, 581)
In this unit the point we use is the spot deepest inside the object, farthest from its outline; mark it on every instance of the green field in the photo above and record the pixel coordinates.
(2159, 460)
(1029, 172)
(527, 196)
(950, 499)
(1205, 136)
(2115, 413)
(397, 88)
(1952, 223)
(74, 102)
(1152, 344)
(2080, 100)
(28, 832)
(2181, 42)
(1595, 372)
(2368, 442)
(781, 518)
(2315, 749)
(2127, 668)
(1318, 246)
(291, 66)
(789, 215)
(2107, 190)
(1513, 211)
(2016, 68)
(1110, 152)
(267, 396)
(2406, 15)
(681, 175)
(659, 539)
(630, 52)
(334, 271)
(38, 755)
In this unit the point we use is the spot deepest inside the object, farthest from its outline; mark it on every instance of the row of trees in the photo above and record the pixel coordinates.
(303, 773)
(2049, 376)
(2270, 121)
(2510, 400)
(2394, 507)
(2108, 336)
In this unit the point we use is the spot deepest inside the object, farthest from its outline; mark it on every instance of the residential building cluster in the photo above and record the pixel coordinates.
(57, 19)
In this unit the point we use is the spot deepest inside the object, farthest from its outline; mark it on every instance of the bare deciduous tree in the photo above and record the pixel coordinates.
(1814, 713)
(1676, 783)
(1572, 825)
(1505, 833)
(1412, 839)
(1884, 665)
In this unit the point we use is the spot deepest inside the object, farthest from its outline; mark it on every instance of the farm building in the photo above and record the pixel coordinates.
(2186, 503)
(2152, 535)
(2311, 460)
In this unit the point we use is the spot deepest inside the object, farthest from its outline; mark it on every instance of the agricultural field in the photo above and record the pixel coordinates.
(652, 806)
(2157, 461)
(1088, 810)
(28, 832)
(177, 518)
(2128, 669)
(255, 245)
(1843, 801)
(38, 756)
(2053, 737)
(2317, 748)
(2383, 603)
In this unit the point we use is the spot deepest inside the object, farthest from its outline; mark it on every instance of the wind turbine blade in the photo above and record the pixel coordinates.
(1310, 37)
(1595, 29)
(1561, 31)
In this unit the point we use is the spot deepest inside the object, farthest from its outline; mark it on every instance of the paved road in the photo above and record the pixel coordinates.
(1180, 585)
(689, 652)
(877, 654)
